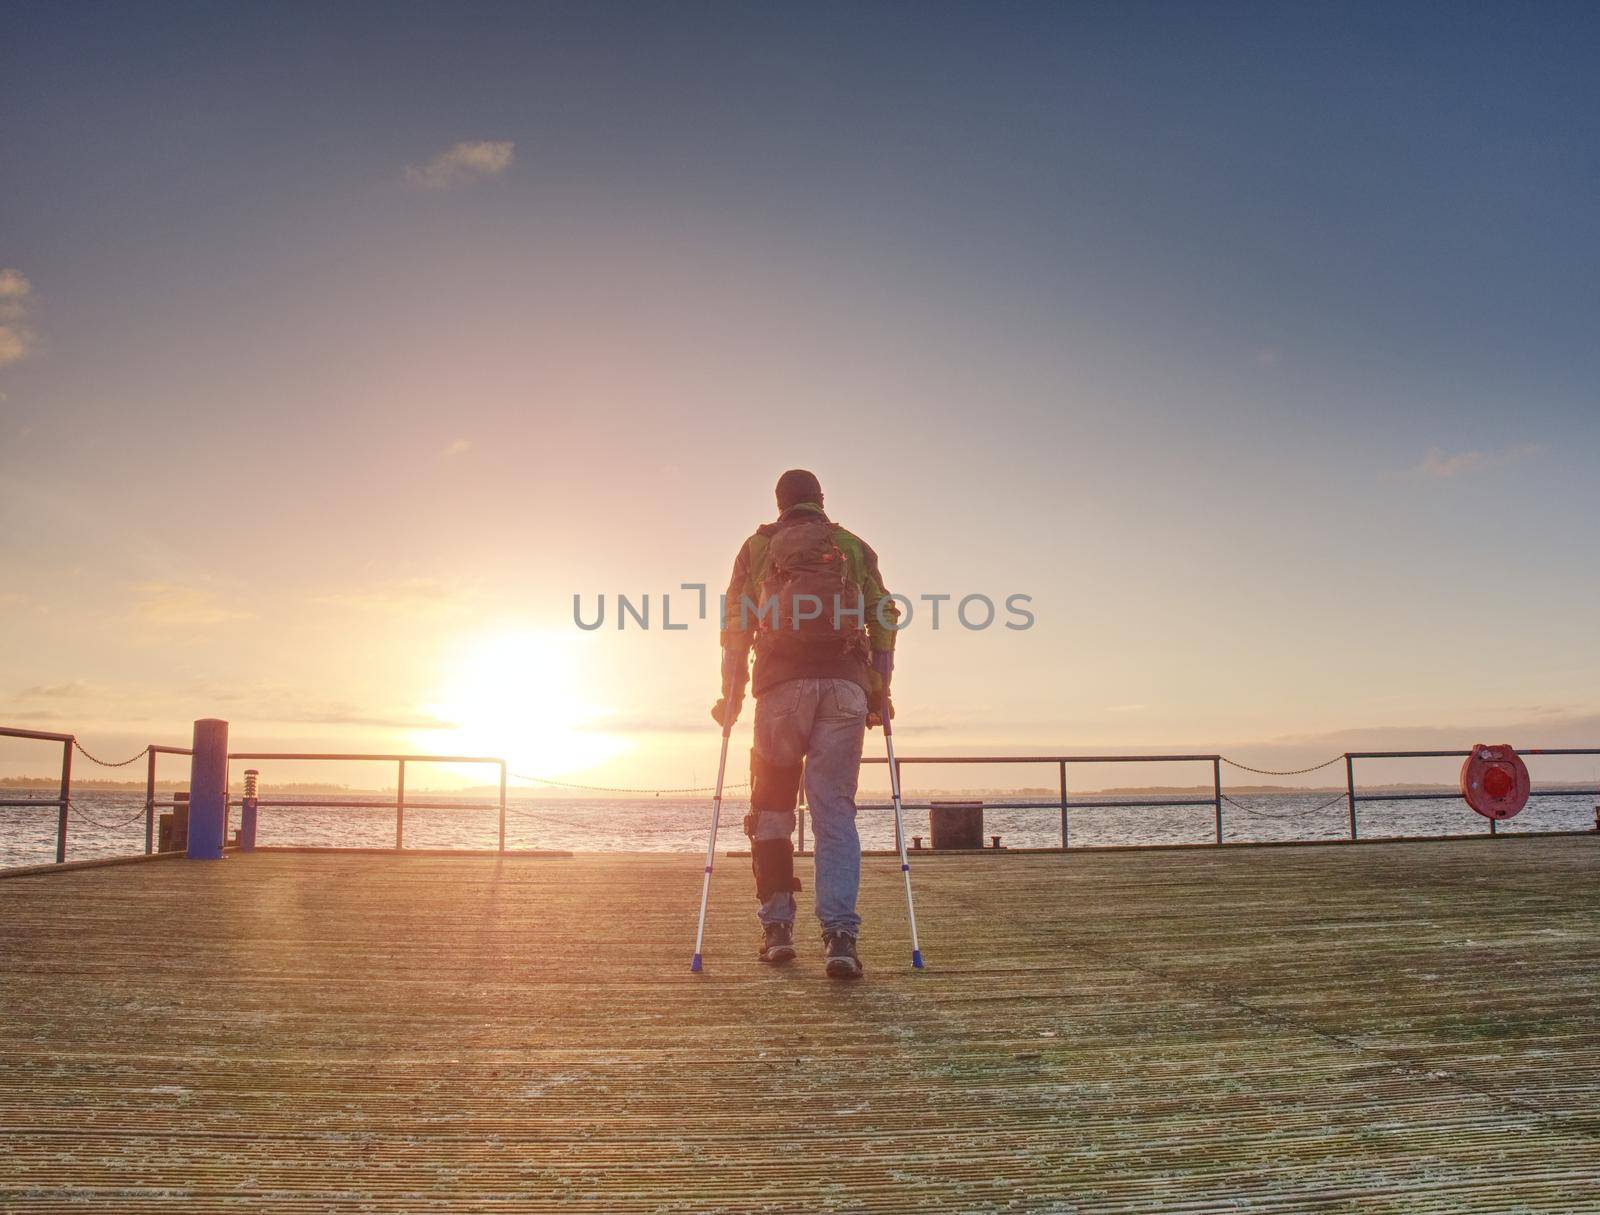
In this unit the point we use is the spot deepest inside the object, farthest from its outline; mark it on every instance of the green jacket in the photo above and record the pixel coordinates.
(882, 613)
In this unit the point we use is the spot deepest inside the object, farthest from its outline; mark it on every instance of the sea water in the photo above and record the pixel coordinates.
(112, 823)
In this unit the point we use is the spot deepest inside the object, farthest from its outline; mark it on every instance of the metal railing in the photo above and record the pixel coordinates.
(63, 800)
(150, 803)
(400, 805)
(1065, 804)
(69, 742)
(1353, 798)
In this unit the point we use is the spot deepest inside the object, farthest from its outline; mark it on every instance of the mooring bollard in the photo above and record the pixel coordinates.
(247, 812)
(174, 834)
(208, 790)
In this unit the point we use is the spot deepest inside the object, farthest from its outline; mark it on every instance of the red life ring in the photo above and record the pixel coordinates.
(1494, 781)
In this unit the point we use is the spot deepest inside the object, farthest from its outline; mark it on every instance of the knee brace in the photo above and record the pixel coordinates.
(773, 862)
(773, 786)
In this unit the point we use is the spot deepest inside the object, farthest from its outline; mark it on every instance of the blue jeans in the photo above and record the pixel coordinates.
(822, 721)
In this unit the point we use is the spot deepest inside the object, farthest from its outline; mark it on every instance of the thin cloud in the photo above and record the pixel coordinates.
(39, 717)
(17, 338)
(344, 714)
(457, 447)
(55, 691)
(407, 596)
(1440, 465)
(261, 701)
(471, 160)
(694, 722)
(166, 603)
(1520, 723)
(684, 723)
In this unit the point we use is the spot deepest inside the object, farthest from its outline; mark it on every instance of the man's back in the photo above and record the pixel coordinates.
(865, 625)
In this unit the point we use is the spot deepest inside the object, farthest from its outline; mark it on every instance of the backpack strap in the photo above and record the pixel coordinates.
(758, 545)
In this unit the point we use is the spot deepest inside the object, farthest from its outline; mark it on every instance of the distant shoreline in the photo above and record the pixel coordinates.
(48, 784)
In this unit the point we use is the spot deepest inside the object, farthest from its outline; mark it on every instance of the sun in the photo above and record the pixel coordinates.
(519, 696)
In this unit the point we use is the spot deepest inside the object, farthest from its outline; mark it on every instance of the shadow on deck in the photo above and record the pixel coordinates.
(1390, 1028)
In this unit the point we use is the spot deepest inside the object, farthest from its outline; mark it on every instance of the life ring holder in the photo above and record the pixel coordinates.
(1494, 781)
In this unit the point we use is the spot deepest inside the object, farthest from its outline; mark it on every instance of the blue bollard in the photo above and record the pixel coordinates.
(208, 790)
(247, 812)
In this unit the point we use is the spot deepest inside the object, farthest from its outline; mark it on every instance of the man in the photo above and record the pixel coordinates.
(807, 595)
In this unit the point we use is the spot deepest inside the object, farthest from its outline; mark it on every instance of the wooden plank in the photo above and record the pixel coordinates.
(1378, 1029)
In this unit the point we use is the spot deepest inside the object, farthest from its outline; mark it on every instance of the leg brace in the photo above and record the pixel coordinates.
(776, 788)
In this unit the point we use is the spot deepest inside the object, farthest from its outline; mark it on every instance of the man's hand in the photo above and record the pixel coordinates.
(878, 702)
(735, 675)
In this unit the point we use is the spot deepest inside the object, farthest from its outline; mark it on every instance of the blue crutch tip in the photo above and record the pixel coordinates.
(695, 965)
(916, 958)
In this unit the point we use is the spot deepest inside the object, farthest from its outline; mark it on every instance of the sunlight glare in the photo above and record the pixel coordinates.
(520, 695)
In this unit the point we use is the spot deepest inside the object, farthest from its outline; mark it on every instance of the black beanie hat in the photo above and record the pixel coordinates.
(796, 486)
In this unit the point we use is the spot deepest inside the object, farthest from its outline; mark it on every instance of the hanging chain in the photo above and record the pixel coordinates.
(1296, 813)
(76, 812)
(106, 763)
(1233, 763)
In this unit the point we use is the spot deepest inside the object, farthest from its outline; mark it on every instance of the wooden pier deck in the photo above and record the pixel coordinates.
(1397, 1028)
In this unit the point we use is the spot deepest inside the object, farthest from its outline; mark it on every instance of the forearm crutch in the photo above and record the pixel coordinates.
(711, 844)
(899, 831)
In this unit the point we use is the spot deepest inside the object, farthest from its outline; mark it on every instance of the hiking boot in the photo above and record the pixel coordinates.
(777, 944)
(841, 959)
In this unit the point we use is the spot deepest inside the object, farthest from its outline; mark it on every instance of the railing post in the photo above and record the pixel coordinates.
(1216, 785)
(1063, 803)
(208, 790)
(1350, 791)
(400, 809)
(149, 800)
(502, 805)
(65, 802)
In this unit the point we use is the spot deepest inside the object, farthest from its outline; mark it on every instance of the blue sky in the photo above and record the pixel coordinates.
(1256, 342)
